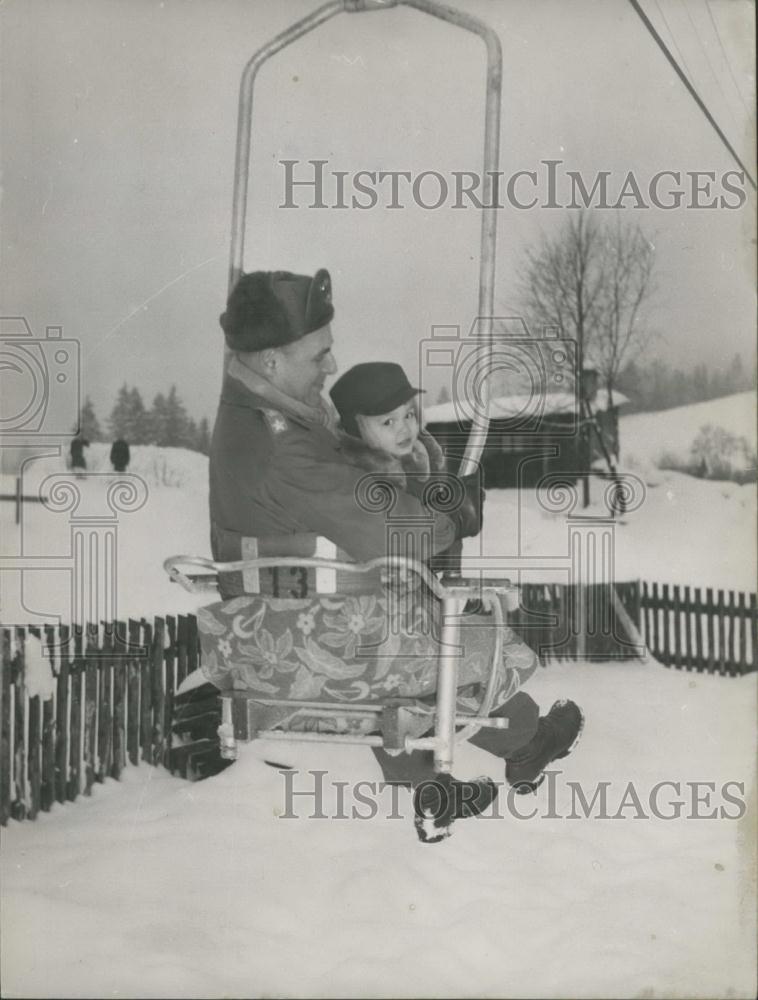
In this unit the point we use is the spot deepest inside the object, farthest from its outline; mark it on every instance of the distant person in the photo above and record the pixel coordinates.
(120, 455)
(78, 462)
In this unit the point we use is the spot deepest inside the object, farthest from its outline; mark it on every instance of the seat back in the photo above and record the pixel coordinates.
(286, 581)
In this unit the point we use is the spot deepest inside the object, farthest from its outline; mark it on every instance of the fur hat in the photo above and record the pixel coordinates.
(272, 308)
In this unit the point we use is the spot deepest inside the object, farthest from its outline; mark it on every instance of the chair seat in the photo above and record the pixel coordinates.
(343, 648)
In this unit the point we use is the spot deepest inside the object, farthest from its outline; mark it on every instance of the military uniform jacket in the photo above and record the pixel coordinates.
(274, 474)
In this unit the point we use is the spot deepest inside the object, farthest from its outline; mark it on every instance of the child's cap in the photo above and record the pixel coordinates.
(370, 389)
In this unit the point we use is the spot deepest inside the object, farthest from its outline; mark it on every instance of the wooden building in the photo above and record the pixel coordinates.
(529, 437)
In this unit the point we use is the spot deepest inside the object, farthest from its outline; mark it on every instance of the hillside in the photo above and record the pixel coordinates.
(646, 437)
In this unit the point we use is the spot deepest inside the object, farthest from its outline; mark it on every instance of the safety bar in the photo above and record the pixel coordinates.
(440, 590)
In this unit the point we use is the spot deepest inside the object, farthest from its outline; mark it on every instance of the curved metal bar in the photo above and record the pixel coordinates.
(270, 562)
(492, 117)
(244, 124)
(480, 423)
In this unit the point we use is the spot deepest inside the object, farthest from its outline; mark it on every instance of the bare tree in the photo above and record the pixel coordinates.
(622, 332)
(592, 280)
(562, 281)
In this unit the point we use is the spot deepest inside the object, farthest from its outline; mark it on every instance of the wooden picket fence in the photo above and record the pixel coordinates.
(683, 627)
(113, 698)
(112, 704)
(704, 630)
(571, 622)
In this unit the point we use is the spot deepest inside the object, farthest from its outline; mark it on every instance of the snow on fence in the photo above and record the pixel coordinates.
(107, 700)
(78, 705)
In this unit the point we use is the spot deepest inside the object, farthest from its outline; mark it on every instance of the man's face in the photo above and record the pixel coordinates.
(303, 366)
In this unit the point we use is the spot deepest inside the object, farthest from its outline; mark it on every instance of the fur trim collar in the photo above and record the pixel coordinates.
(322, 414)
(426, 457)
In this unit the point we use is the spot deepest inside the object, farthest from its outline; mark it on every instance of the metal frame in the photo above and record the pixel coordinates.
(453, 597)
(491, 156)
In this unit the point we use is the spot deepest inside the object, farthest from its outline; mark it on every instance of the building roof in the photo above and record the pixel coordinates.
(515, 405)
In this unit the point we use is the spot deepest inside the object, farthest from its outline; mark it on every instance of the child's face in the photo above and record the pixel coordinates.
(395, 432)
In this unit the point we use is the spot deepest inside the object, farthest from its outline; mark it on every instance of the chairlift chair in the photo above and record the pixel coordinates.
(397, 724)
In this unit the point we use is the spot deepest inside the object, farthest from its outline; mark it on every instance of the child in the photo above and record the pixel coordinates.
(377, 408)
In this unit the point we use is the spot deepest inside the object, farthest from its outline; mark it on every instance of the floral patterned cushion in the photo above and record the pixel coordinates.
(350, 648)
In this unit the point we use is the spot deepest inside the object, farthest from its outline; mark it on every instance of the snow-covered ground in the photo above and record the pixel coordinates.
(159, 888)
(646, 437)
(684, 530)
(155, 887)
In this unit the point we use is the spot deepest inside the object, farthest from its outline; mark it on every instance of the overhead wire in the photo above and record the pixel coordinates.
(726, 58)
(690, 88)
(673, 39)
(708, 59)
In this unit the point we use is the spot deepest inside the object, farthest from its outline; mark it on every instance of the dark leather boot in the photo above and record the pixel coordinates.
(441, 800)
(557, 734)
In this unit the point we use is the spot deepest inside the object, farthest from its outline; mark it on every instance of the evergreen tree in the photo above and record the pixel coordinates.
(704, 384)
(89, 425)
(177, 421)
(158, 421)
(139, 430)
(170, 427)
(679, 391)
(128, 417)
(203, 437)
(191, 435)
(119, 418)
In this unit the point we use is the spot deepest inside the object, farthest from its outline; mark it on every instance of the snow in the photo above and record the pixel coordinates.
(687, 531)
(646, 437)
(170, 517)
(684, 530)
(155, 887)
(512, 405)
(38, 673)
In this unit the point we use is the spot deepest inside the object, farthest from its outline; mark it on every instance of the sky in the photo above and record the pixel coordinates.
(119, 123)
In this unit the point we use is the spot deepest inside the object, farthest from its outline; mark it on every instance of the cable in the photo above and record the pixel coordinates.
(696, 97)
(685, 4)
(674, 42)
(726, 58)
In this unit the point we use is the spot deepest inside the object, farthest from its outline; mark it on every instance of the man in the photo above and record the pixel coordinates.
(78, 461)
(277, 471)
(120, 455)
(276, 467)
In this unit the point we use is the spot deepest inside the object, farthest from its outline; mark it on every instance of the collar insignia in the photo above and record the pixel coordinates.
(276, 422)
